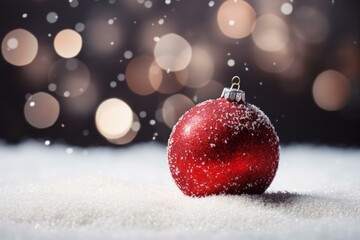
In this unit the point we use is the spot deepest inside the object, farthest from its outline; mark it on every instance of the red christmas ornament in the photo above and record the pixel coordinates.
(223, 146)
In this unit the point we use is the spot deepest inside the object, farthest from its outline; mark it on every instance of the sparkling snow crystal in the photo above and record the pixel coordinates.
(46, 193)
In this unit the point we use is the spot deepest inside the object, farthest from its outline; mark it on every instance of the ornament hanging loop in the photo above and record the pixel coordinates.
(235, 82)
(234, 94)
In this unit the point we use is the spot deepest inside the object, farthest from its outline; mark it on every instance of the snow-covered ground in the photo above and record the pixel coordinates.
(104, 193)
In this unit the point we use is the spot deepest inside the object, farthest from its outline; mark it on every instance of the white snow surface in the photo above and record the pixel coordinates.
(128, 193)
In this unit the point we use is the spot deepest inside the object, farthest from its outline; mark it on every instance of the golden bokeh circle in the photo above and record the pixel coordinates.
(236, 19)
(113, 118)
(68, 43)
(331, 90)
(19, 47)
(41, 110)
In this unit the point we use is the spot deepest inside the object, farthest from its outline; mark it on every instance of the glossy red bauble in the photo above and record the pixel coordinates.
(223, 147)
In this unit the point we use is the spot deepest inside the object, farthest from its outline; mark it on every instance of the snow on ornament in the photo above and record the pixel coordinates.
(223, 146)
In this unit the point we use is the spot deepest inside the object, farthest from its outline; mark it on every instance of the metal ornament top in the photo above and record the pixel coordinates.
(234, 93)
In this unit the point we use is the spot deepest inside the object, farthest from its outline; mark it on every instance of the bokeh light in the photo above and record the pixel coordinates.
(143, 76)
(231, 62)
(84, 52)
(200, 70)
(19, 47)
(12, 43)
(236, 19)
(271, 33)
(52, 17)
(41, 110)
(79, 27)
(70, 77)
(128, 54)
(68, 43)
(113, 118)
(331, 90)
(130, 135)
(172, 52)
(73, 3)
(286, 8)
(310, 25)
(174, 107)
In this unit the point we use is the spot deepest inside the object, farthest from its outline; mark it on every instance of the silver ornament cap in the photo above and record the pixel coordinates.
(234, 93)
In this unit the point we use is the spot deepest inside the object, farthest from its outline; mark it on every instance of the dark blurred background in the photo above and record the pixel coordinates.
(300, 65)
